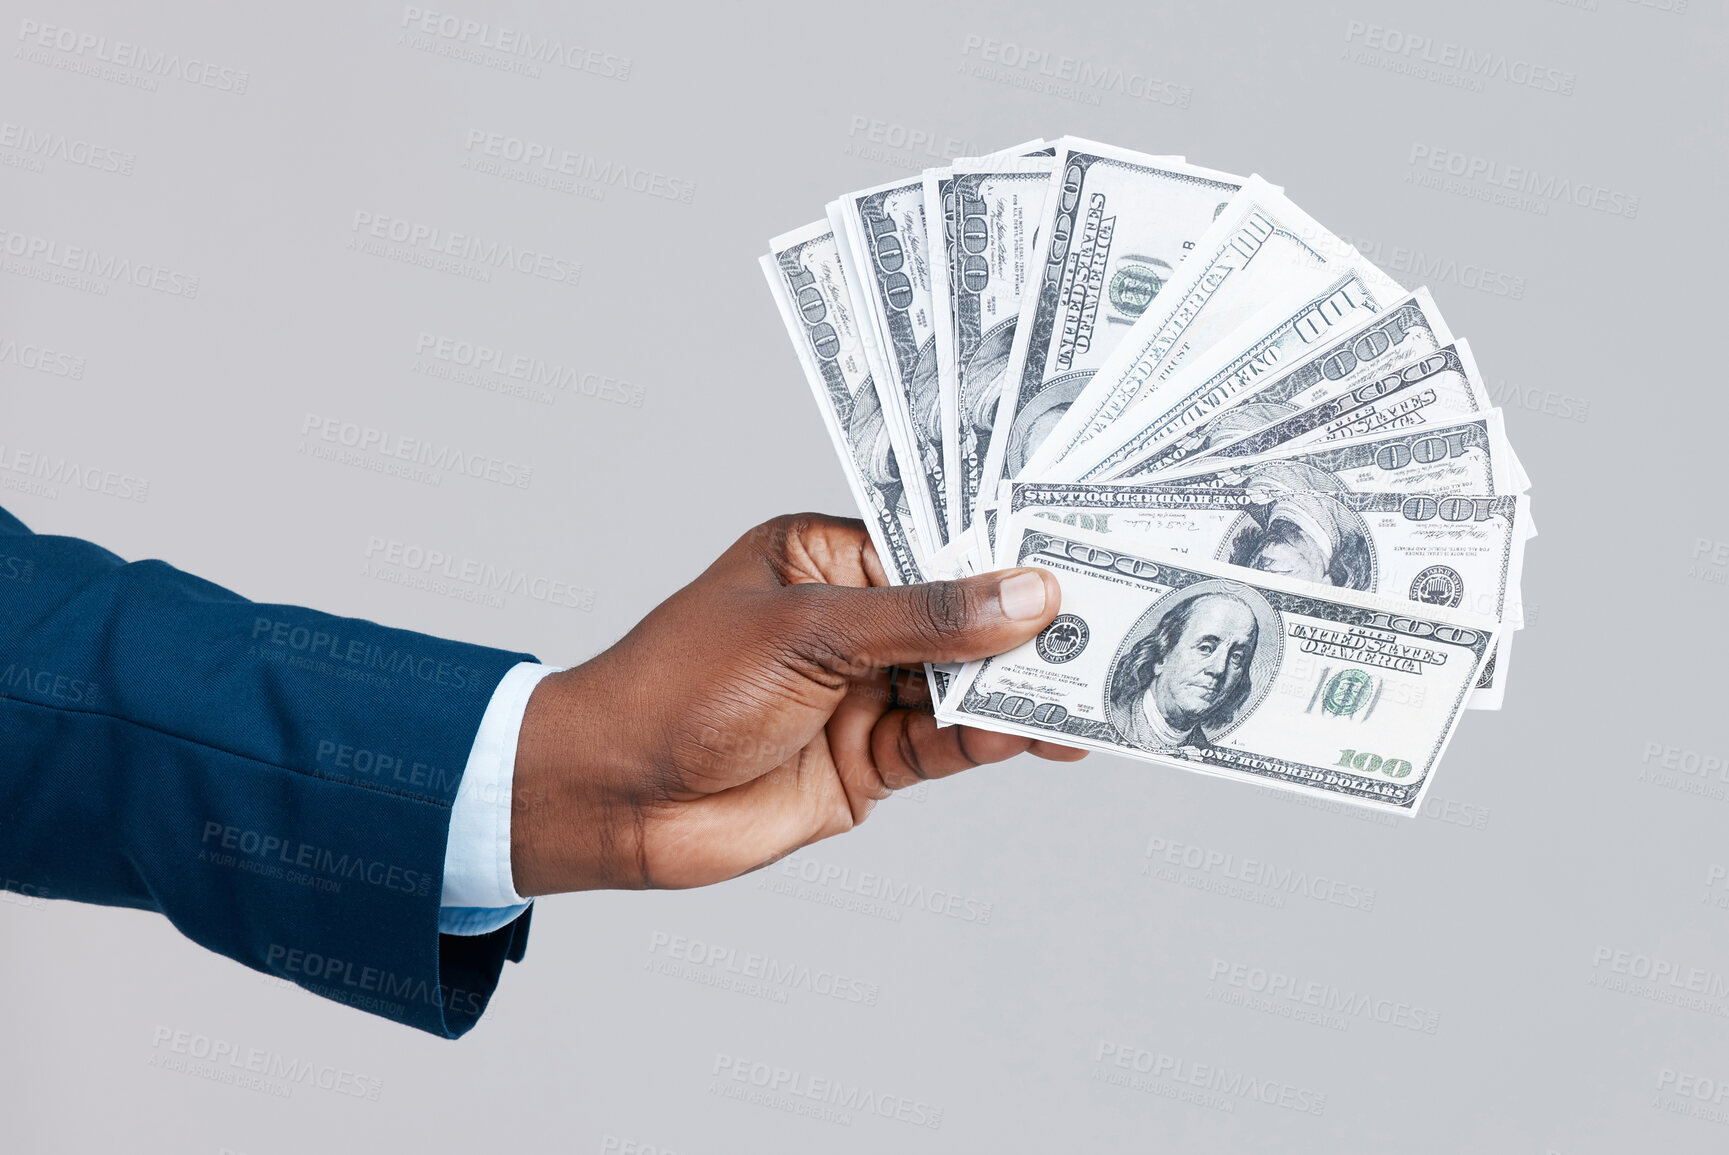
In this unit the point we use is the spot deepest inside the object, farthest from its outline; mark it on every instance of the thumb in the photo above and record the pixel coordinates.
(946, 621)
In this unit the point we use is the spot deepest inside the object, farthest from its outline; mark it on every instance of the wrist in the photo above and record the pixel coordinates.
(575, 822)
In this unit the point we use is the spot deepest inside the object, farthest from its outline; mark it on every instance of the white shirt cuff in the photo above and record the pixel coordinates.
(479, 895)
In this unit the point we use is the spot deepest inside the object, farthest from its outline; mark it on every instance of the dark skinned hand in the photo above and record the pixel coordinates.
(760, 708)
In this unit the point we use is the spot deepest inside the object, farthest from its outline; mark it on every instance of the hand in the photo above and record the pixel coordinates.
(756, 710)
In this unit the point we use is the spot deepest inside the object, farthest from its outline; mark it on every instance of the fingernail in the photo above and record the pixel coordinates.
(1022, 596)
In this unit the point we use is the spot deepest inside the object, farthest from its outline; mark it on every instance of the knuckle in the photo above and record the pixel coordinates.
(942, 609)
(965, 738)
(806, 547)
(845, 815)
(771, 536)
(908, 750)
(829, 521)
(790, 526)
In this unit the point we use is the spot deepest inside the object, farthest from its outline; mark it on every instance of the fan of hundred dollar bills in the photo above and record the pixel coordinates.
(1285, 516)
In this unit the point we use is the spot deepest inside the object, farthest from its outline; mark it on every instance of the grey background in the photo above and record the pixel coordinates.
(1555, 836)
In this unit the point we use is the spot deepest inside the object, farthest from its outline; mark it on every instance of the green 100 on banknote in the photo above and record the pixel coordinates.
(1165, 657)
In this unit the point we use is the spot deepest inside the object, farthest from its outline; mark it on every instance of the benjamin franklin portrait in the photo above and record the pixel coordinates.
(1193, 666)
(1301, 528)
(1310, 536)
(874, 454)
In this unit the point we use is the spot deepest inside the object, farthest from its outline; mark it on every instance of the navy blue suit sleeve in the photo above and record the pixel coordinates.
(274, 780)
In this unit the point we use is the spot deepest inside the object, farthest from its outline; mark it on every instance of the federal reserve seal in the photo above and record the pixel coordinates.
(1439, 585)
(1062, 640)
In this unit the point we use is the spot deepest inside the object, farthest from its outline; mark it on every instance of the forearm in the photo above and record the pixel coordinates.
(276, 781)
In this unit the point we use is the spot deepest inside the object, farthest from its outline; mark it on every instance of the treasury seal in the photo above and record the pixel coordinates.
(1135, 283)
(1346, 692)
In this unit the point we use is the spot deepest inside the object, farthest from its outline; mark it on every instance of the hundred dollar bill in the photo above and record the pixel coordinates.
(804, 274)
(1262, 253)
(1470, 457)
(1452, 551)
(936, 224)
(1440, 388)
(1457, 552)
(871, 345)
(989, 214)
(1467, 457)
(1115, 230)
(1226, 404)
(1288, 328)
(950, 391)
(1238, 673)
(887, 229)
